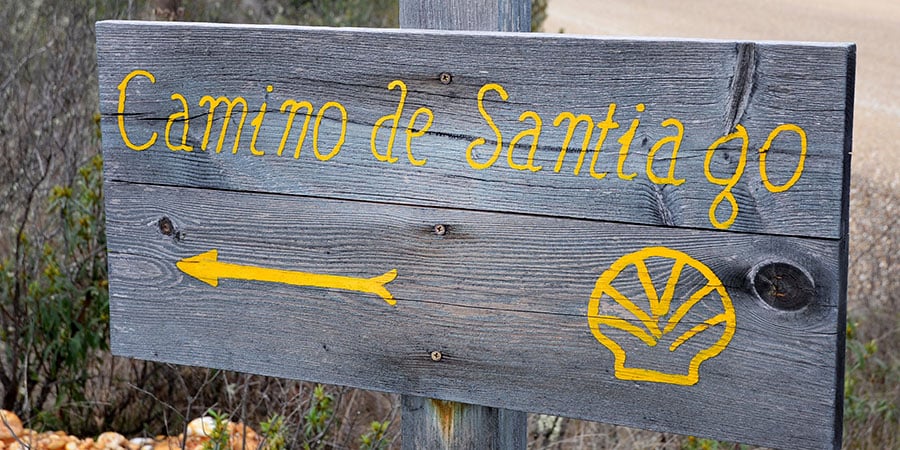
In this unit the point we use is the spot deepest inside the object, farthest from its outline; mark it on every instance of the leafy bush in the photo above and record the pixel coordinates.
(55, 306)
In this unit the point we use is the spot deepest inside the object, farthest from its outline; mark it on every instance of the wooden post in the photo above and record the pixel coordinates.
(438, 424)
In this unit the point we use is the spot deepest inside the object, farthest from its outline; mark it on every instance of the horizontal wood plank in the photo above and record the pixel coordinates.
(503, 297)
(710, 87)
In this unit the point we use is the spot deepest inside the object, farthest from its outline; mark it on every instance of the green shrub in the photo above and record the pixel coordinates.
(273, 433)
(55, 306)
(376, 437)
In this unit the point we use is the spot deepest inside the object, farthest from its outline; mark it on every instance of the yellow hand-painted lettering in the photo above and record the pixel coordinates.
(332, 121)
(395, 121)
(570, 131)
(766, 148)
(183, 116)
(294, 107)
(257, 124)
(729, 182)
(625, 141)
(229, 111)
(490, 121)
(337, 146)
(411, 133)
(120, 110)
(535, 134)
(676, 143)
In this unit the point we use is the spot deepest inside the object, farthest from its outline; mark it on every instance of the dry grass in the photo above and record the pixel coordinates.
(872, 394)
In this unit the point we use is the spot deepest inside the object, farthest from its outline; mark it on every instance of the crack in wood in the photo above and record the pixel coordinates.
(743, 83)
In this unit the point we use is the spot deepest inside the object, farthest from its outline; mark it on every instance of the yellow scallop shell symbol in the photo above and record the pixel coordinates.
(690, 321)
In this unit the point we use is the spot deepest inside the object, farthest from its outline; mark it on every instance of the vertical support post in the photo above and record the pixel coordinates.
(438, 424)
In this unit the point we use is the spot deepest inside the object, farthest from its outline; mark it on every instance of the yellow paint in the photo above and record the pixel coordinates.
(183, 116)
(206, 268)
(604, 126)
(410, 133)
(423, 119)
(535, 134)
(765, 151)
(120, 109)
(650, 326)
(676, 143)
(625, 141)
(294, 106)
(229, 111)
(729, 182)
(490, 121)
(574, 121)
(395, 120)
(337, 146)
(257, 124)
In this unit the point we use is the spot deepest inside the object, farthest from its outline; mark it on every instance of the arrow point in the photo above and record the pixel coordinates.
(201, 267)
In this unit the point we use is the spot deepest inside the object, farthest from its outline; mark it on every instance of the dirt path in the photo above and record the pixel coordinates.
(874, 25)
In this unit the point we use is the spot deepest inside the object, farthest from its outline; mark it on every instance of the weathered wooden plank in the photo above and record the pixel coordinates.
(505, 299)
(483, 15)
(710, 87)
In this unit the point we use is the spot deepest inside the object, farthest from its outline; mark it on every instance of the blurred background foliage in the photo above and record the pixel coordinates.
(55, 367)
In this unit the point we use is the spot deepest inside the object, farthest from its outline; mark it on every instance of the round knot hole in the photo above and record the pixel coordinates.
(783, 286)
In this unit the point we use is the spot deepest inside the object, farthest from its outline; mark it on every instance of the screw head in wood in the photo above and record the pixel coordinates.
(436, 356)
(440, 229)
(446, 78)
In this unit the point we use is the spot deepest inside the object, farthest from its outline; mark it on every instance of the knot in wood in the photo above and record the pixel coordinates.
(783, 286)
(165, 226)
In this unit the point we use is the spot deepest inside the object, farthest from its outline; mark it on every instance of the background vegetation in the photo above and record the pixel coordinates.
(55, 368)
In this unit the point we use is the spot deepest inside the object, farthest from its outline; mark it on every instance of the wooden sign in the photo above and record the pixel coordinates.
(644, 232)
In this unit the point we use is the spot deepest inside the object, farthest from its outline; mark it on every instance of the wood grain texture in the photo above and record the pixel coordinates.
(439, 424)
(504, 298)
(711, 86)
(430, 423)
(500, 270)
(474, 15)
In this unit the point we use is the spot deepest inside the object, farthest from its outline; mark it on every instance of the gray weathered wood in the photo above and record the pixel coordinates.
(503, 297)
(710, 86)
(440, 424)
(430, 423)
(496, 268)
(481, 15)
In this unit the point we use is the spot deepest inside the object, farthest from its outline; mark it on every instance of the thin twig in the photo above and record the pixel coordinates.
(13, 433)
(22, 62)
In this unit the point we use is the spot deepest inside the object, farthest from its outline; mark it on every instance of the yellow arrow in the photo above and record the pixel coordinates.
(206, 268)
